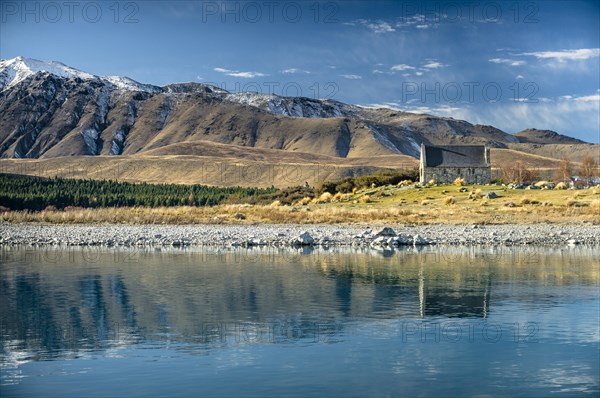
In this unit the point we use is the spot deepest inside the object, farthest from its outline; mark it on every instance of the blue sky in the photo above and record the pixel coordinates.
(510, 64)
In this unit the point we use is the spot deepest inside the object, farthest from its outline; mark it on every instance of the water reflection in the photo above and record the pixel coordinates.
(73, 302)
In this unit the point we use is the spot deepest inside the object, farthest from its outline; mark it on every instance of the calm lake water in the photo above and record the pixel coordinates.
(265, 323)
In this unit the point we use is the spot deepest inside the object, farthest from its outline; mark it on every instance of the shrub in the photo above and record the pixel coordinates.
(525, 200)
(275, 203)
(449, 200)
(571, 202)
(478, 193)
(561, 185)
(345, 187)
(326, 186)
(425, 202)
(595, 204)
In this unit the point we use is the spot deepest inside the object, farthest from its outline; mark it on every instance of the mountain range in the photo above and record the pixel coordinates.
(53, 115)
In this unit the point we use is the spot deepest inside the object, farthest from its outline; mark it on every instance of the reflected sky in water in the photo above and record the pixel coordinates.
(280, 322)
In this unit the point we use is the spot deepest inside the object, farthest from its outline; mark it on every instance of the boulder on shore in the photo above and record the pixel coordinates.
(304, 239)
(386, 231)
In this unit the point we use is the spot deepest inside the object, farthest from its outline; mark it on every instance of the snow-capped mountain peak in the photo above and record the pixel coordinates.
(12, 71)
(15, 70)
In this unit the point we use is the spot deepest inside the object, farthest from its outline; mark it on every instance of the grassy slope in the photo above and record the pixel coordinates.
(231, 165)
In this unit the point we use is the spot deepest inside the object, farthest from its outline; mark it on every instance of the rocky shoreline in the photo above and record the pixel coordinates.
(282, 235)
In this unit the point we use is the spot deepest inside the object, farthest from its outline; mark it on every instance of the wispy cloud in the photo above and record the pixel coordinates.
(237, 73)
(588, 98)
(566, 55)
(511, 62)
(351, 77)
(293, 71)
(420, 21)
(375, 26)
(434, 65)
(401, 67)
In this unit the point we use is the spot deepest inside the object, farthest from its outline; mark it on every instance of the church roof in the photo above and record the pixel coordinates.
(455, 156)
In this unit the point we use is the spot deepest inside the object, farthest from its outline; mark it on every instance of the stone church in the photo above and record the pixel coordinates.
(446, 163)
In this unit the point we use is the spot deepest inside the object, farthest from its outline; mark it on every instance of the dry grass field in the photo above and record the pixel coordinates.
(408, 205)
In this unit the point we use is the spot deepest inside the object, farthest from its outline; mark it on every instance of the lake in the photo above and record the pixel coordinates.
(434, 321)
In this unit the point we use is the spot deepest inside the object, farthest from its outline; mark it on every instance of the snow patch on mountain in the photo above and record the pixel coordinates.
(116, 146)
(90, 137)
(383, 139)
(414, 148)
(102, 103)
(293, 106)
(127, 84)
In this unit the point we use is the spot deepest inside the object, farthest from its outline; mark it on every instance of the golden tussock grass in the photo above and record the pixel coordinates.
(459, 182)
(329, 213)
(449, 200)
(525, 200)
(304, 201)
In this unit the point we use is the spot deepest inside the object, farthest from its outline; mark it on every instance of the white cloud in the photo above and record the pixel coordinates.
(378, 72)
(246, 75)
(351, 77)
(564, 55)
(507, 61)
(375, 26)
(420, 21)
(198, 77)
(292, 71)
(235, 73)
(419, 73)
(582, 98)
(589, 98)
(401, 67)
(434, 65)
(520, 77)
